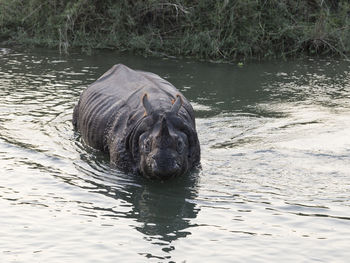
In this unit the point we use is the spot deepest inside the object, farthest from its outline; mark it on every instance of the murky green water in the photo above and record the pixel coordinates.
(274, 184)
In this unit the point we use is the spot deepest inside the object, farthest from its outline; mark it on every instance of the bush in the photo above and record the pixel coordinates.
(218, 30)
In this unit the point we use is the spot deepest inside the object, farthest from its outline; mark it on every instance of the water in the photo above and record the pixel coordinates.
(274, 183)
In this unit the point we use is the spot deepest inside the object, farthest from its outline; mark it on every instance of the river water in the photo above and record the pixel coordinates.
(274, 183)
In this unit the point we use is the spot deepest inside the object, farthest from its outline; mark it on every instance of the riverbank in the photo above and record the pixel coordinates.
(216, 30)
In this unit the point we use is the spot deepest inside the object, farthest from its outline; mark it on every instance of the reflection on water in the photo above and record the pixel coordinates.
(274, 182)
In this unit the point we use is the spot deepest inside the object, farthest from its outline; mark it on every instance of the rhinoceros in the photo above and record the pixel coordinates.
(141, 120)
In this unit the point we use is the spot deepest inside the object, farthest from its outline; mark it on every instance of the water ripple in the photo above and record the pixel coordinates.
(274, 180)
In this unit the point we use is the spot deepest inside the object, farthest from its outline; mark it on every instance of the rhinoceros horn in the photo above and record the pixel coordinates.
(164, 130)
(177, 104)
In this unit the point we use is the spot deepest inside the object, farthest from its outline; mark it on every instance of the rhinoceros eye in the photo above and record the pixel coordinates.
(180, 146)
(147, 145)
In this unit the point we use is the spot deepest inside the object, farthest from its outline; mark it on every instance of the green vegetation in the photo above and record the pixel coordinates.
(219, 30)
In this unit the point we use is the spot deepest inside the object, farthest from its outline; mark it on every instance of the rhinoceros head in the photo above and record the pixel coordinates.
(164, 147)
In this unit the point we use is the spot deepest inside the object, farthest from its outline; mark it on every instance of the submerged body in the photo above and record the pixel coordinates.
(145, 124)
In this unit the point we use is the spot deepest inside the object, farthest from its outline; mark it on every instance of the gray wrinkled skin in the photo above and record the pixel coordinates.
(145, 124)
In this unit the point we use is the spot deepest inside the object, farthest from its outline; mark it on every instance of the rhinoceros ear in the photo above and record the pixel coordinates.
(177, 104)
(146, 104)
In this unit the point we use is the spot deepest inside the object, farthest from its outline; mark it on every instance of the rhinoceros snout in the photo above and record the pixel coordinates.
(165, 169)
